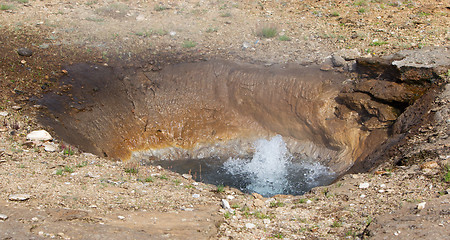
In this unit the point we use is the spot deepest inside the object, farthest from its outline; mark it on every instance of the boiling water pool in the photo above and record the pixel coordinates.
(271, 170)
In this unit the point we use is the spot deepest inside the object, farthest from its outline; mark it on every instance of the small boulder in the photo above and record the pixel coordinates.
(337, 60)
(364, 185)
(25, 52)
(3, 217)
(39, 135)
(226, 205)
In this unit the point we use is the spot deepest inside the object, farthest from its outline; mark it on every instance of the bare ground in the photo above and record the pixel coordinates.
(80, 196)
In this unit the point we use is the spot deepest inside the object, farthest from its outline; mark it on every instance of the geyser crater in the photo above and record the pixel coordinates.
(218, 111)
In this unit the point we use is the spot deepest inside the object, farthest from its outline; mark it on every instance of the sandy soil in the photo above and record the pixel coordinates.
(74, 195)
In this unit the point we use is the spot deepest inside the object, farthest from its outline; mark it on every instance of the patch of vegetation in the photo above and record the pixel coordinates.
(22, 1)
(59, 172)
(148, 179)
(284, 38)
(362, 10)
(83, 164)
(276, 204)
(211, 30)
(334, 14)
(447, 174)
(189, 44)
(261, 215)
(267, 32)
(163, 177)
(336, 224)
(131, 170)
(227, 215)
(378, 43)
(5, 7)
(360, 3)
(160, 8)
(278, 235)
(68, 169)
(89, 3)
(234, 206)
(220, 188)
(302, 200)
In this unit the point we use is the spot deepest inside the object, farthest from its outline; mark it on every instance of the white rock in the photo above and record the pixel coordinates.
(226, 204)
(195, 195)
(140, 18)
(187, 176)
(421, 205)
(266, 221)
(362, 196)
(308, 201)
(4, 114)
(172, 33)
(39, 135)
(50, 147)
(250, 225)
(92, 175)
(195, 183)
(364, 185)
(383, 185)
(34, 219)
(19, 197)
(230, 197)
(16, 107)
(3, 217)
(121, 217)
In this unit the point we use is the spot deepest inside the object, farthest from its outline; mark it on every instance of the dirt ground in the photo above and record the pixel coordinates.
(75, 195)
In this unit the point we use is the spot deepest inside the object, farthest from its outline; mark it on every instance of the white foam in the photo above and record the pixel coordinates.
(272, 169)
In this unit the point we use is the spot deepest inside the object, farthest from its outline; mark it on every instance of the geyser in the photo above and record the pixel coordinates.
(214, 110)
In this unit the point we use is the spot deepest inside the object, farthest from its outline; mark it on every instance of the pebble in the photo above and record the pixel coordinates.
(16, 107)
(39, 135)
(4, 114)
(421, 205)
(195, 195)
(50, 147)
(226, 204)
(121, 217)
(92, 175)
(26, 52)
(34, 219)
(266, 221)
(195, 183)
(230, 197)
(308, 201)
(3, 217)
(364, 185)
(19, 197)
(187, 176)
(337, 60)
(250, 225)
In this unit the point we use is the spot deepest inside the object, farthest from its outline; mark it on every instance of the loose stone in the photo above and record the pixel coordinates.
(4, 114)
(421, 205)
(121, 217)
(364, 185)
(3, 217)
(26, 52)
(250, 225)
(226, 204)
(19, 197)
(187, 176)
(50, 147)
(16, 107)
(39, 135)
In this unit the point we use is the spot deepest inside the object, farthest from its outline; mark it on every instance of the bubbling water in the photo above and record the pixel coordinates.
(273, 170)
(270, 170)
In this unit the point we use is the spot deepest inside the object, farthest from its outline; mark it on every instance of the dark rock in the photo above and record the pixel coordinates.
(388, 91)
(26, 52)
(361, 101)
(374, 123)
